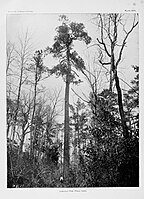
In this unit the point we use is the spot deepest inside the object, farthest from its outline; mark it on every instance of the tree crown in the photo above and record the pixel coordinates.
(68, 32)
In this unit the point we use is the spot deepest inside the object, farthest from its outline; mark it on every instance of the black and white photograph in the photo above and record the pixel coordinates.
(72, 100)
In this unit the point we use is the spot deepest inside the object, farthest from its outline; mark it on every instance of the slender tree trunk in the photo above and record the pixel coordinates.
(66, 129)
(18, 102)
(21, 148)
(111, 82)
(112, 60)
(75, 149)
(111, 75)
(78, 138)
(121, 111)
(32, 132)
(8, 127)
(66, 119)
(40, 141)
(21, 143)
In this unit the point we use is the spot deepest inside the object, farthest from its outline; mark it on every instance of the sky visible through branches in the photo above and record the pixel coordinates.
(41, 28)
(72, 95)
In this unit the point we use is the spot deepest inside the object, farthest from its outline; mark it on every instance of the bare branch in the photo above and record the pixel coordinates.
(80, 96)
(10, 56)
(129, 85)
(102, 36)
(56, 102)
(88, 78)
(101, 42)
(124, 41)
(104, 63)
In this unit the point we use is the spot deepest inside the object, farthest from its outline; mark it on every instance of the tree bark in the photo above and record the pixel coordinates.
(120, 104)
(78, 137)
(66, 128)
(21, 143)
(21, 148)
(66, 120)
(18, 102)
(32, 133)
(75, 148)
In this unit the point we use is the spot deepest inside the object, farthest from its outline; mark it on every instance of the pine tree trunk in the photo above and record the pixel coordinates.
(66, 129)
(78, 138)
(66, 120)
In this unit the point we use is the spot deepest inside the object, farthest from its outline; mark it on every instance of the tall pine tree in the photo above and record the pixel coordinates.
(67, 33)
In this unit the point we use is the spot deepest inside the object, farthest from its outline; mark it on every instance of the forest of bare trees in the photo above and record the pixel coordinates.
(92, 142)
